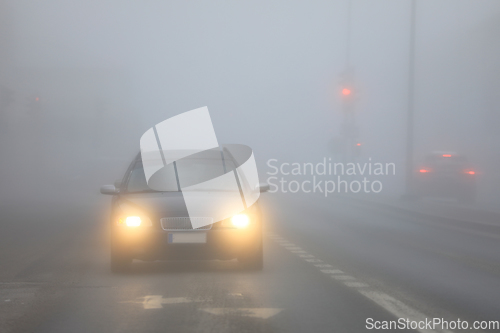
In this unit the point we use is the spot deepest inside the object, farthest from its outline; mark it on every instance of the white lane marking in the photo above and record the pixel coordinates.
(390, 304)
(235, 295)
(297, 252)
(397, 308)
(152, 302)
(156, 301)
(354, 284)
(293, 248)
(262, 313)
(343, 277)
(306, 256)
(332, 271)
(148, 302)
(314, 260)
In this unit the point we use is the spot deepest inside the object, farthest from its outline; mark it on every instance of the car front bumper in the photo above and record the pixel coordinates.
(153, 244)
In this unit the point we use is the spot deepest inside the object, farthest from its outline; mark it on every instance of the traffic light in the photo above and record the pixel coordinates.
(347, 86)
(347, 98)
(357, 148)
(347, 92)
(34, 104)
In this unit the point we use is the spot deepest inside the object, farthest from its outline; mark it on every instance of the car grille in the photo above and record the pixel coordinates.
(184, 223)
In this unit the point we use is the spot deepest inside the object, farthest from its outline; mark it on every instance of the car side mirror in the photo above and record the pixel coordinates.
(109, 189)
(263, 187)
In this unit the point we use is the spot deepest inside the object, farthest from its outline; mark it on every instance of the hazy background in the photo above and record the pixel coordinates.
(106, 71)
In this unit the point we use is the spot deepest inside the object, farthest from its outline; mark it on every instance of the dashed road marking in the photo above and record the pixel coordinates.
(235, 295)
(390, 304)
(156, 301)
(332, 271)
(343, 277)
(262, 313)
(354, 284)
(314, 260)
(306, 256)
(397, 308)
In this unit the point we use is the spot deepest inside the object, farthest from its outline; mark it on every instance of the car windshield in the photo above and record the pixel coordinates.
(190, 171)
(137, 180)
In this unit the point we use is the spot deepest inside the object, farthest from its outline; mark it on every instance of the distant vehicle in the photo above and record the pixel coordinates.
(155, 225)
(446, 174)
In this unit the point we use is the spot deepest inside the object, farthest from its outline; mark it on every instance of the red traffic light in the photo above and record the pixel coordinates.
(346, 92)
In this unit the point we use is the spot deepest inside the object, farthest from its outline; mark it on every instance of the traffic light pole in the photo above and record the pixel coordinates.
(411, 92)
(349, 130)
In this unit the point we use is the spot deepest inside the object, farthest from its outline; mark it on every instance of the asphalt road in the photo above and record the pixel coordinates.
(330, 264)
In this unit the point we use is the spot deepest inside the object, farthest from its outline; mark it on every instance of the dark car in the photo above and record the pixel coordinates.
(446, 174)
(150, 225)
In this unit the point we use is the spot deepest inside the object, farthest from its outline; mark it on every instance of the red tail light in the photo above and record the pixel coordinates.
(469, 171)
(446, 155)
(423, 170)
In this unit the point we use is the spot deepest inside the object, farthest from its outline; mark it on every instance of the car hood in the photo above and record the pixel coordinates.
(157, 205)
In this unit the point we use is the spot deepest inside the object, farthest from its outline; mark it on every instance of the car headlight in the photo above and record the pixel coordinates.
(131, 216)
(240, 221)
(134, 221)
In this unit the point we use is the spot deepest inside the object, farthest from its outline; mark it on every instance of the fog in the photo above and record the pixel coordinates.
(354, 225)
(81, 82)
